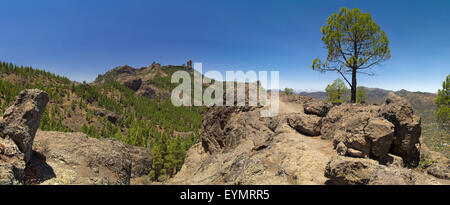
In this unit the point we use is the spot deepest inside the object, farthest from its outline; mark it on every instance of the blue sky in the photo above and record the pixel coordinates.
(83, 38)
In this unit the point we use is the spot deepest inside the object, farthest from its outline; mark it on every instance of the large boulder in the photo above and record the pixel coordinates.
(434, 163)
(337, 114)
(350, 171)
(75, 158)
(21, 120)
(316, 107)
(222, 131)
(12, 165)
(364, 135)
(141, 161)
(407, 128)
(305, 124)
(380, 133)
(356, 171)
(239, 147)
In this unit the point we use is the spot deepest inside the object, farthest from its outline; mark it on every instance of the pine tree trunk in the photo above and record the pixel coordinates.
(353, 88)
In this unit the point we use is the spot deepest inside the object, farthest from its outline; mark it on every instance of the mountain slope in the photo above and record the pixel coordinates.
(109, 109)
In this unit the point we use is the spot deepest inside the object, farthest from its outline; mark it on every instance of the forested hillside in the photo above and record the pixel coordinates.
(111, 110)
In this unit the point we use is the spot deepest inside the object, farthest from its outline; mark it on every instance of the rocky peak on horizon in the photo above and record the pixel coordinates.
(145, 81)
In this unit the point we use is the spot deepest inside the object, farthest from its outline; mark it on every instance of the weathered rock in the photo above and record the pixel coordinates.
(12, 164)
(141, 161)
(365, 135)
(148, 91)
(391, 160)
(223, 132)
(139, 80)
(126, 69)
(350, 171)
(380, 133)
(236, 146)
(21, 120)
(316, 107)
(434, 163)
(395, 175)
(305, 124)
(407, 128)
(133, 83)
(242, 149)
(356, 153)
(341, 149)
(337, 114)
(357, 171)
(75, 158)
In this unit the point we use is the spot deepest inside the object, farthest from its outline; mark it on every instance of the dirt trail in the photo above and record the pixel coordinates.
(317, 151)
(324, 146)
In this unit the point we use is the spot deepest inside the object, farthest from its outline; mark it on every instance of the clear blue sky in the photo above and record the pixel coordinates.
(83, 38)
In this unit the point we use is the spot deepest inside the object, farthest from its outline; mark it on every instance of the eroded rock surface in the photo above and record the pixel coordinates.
(355, 171)
(370, 135)
(75, 158)
(12, 164)
(434, 163)
(21, 120)
(316, 107)
(407, 128)
(61, 158)
(238, 147)
(306, 124)
(138, 80)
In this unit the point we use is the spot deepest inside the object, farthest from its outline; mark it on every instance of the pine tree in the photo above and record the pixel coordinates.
(361, 96)
(336, 91)
(443, 103)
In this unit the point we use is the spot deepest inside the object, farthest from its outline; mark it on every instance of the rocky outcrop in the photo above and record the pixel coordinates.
(141, 161)
(75, 158)
(305, 124)
(61, 158)
(316, 107)
(132, 82)
(374, 131)
(224, 131)
(338, 114)
(371, 136)
(21, 120)
(138, 80)
(355, 171)
(407, 128)
(236, 146)
(434, 163)
(351, 171)
(12, 164)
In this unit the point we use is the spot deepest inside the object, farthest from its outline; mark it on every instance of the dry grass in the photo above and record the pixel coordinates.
(437, 138)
